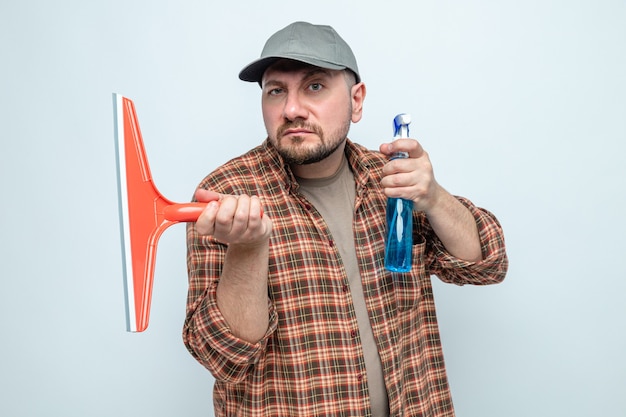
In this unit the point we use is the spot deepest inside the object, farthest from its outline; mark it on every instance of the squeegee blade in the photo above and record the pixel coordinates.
(124, 216)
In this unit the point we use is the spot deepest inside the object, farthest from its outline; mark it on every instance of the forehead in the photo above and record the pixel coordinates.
(288, 66)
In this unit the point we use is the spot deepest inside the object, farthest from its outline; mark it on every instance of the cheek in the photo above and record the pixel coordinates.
(339, 111)
(269, 120)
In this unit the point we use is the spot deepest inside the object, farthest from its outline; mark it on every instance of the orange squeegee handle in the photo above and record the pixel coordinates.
(185, 212)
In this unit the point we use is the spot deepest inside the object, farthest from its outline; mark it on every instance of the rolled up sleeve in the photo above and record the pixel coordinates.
(206, 333)
(494, 264)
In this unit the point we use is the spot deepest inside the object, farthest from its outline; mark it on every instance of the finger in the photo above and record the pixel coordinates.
(225, 215)
(241, 214)
(410, 146)
(256, 209)
(205, 225)
(399, 178)
(415, 149)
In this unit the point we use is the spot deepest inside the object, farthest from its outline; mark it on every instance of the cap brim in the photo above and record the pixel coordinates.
(254, 71)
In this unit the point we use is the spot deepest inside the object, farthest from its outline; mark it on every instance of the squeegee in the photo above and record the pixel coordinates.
(144, 214)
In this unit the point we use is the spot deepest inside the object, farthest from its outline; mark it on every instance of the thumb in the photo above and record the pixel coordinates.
(204, 196)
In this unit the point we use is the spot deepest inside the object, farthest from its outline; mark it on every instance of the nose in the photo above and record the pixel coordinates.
(295, 107)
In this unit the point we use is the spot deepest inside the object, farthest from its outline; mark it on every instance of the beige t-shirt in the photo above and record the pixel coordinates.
(334, 198)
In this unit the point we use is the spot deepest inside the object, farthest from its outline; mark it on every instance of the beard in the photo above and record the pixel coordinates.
(293, 150)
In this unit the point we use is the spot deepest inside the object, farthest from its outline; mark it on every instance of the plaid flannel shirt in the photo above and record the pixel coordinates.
(310, 362)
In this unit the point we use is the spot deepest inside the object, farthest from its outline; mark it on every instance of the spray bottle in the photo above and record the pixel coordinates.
(399, 242)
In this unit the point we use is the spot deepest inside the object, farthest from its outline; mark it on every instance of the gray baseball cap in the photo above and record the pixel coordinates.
(317, 45)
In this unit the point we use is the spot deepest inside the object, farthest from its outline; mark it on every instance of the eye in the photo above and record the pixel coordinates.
(315, 86)
(273, 89)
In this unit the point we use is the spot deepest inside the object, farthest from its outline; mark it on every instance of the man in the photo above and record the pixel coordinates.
(290, 306)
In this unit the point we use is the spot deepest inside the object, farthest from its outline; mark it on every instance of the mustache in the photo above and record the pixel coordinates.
(298, 124)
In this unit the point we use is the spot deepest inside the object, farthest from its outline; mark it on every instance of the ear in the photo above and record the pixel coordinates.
(358, 92)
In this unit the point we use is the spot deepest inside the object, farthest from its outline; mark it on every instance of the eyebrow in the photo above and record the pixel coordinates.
(313, 72)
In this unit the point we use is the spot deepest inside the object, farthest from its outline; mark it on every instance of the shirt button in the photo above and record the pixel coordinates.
(345, 288)
(360, 377)
(331, 243)
(353, 333)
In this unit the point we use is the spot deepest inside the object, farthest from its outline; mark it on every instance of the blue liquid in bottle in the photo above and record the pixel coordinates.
(399, 243)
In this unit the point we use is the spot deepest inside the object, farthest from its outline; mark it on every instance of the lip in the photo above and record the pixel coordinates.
(296, 131)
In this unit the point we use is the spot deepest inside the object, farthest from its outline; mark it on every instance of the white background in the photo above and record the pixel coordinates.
(521, 105)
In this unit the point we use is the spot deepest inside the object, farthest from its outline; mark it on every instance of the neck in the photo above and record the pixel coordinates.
(322, 169)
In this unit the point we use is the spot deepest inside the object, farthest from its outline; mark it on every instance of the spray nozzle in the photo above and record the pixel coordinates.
(401, 125)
